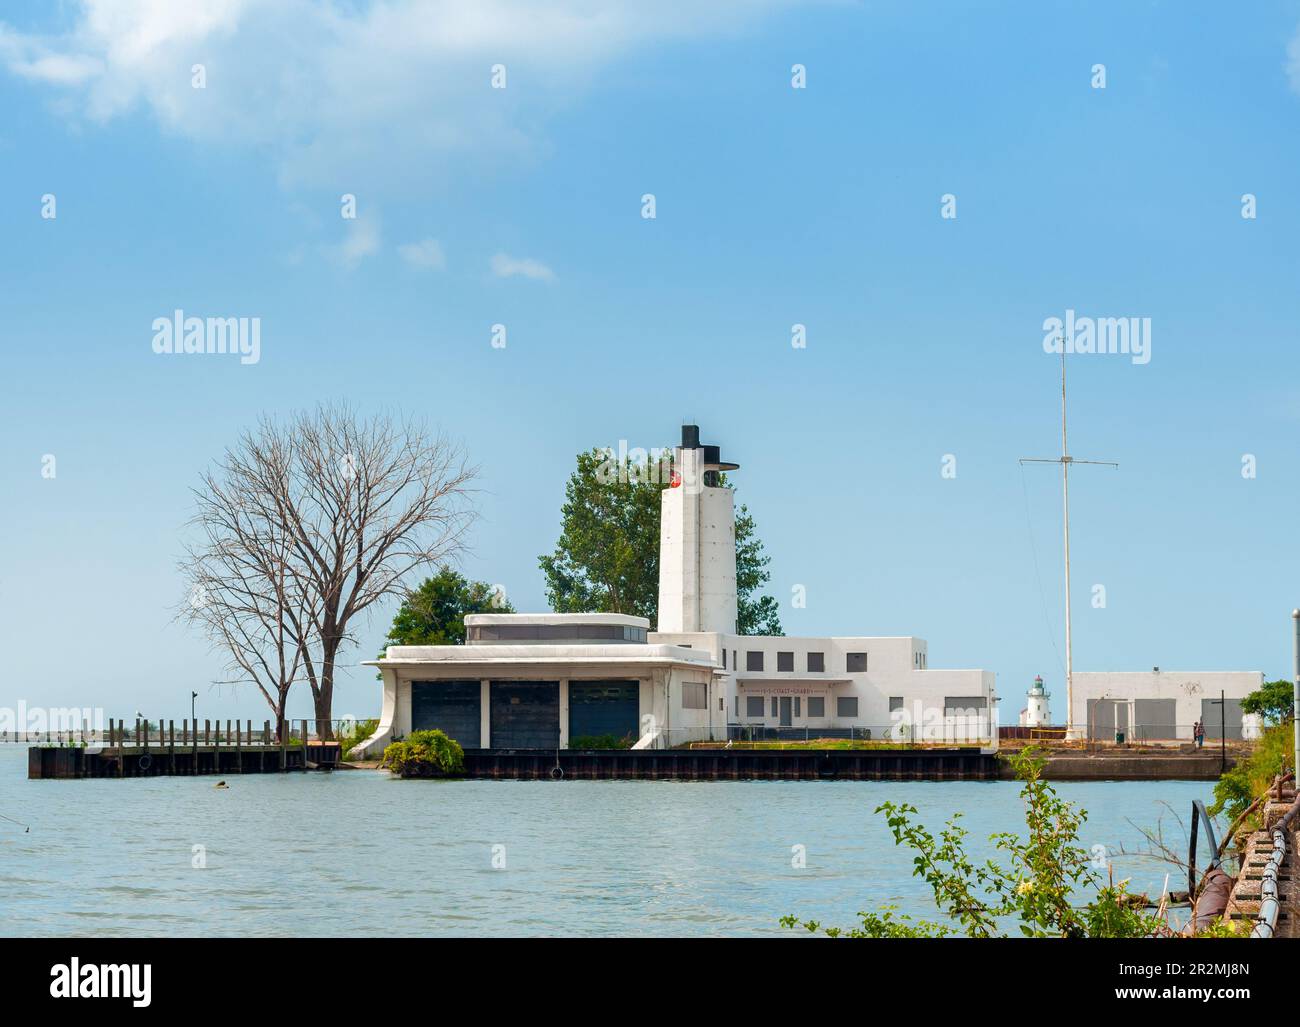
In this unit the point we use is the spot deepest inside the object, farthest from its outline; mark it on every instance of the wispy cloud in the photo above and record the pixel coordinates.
(506, 266)
(1293, 61)
(360, 92)
(361, 241)
(426, 255)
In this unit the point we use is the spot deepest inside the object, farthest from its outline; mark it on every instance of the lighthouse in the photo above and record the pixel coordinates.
(1036, 713)
(697, 542)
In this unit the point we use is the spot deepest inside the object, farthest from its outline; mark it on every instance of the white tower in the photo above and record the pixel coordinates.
(1036, 713)
(697, 543)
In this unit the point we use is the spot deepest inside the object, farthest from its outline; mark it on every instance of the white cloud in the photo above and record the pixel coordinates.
(362, 241)
(1293, 61)
(505, 266)
(426, 255)
(363, 91)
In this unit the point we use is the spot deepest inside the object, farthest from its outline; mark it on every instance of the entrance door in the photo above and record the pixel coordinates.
(603, 710)
(525, 715)
(452, 706)
(787, 705)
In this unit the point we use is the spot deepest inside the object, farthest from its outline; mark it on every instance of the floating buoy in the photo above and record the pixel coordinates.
(221, 784)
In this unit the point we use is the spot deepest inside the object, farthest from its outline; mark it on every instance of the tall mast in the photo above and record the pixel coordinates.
(1065, 460)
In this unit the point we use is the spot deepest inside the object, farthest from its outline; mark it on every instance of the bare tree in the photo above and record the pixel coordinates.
(334, 513)
(240, 590)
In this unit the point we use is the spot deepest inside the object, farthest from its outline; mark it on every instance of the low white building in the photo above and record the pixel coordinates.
(1161, 705)
(553, 680)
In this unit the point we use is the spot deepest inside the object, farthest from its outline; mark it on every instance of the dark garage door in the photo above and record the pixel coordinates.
(604, 708)
(452, 706)
(525, 715)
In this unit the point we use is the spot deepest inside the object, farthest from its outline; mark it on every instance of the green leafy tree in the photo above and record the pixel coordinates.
(755, 614)
(607, 557)
(434, 613)
(1272, 702)
(1034, 890)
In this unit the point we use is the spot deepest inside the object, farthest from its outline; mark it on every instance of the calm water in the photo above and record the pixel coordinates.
(355, 853)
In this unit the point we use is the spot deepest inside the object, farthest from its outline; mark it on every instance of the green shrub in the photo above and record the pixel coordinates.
(361, 730)
(1036, 890)
(601, 742)
(1238, 788)
(425, 754)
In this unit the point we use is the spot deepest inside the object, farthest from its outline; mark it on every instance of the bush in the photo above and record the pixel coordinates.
(1238, 788)
(1035, 891)
(361, 730)
(425, 754)
(601, 742)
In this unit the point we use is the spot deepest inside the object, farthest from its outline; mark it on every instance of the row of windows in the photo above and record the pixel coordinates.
(845, 706)
(815, 663)
(555, 633)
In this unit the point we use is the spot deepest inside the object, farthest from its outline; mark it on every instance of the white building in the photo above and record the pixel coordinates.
(1164, 704)
(548, 680)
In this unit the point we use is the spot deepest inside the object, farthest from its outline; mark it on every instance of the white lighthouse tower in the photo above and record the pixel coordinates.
(1036, 712)
(697, 543)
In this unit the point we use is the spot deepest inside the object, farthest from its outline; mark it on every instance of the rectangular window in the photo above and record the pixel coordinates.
(785, 661)
(895, 703)
(737, 706)
(774, 713)
(816, 706)
(754, 707)
(721, 704)
(797, 712)
(694, 695)
(753, 660)
(846, 706)
(816, 663)
(857, 663)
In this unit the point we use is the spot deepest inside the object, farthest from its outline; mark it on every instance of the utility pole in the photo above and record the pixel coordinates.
(1222, 703)
(1295, 702)
(1065, 460)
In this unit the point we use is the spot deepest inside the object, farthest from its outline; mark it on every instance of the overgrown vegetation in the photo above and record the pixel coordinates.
(1033, 892)
(360, 731)
(425, 754)
(1237, 788)
(1273, 755)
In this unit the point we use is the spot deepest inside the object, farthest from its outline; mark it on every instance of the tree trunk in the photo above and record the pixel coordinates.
(324, 694)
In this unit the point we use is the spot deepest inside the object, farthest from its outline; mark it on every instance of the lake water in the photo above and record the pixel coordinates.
(356, 853)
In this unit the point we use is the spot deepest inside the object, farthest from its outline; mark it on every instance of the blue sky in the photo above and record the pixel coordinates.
(775, 206)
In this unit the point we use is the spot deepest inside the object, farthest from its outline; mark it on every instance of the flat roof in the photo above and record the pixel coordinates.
(461, 655)
(564, 619)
